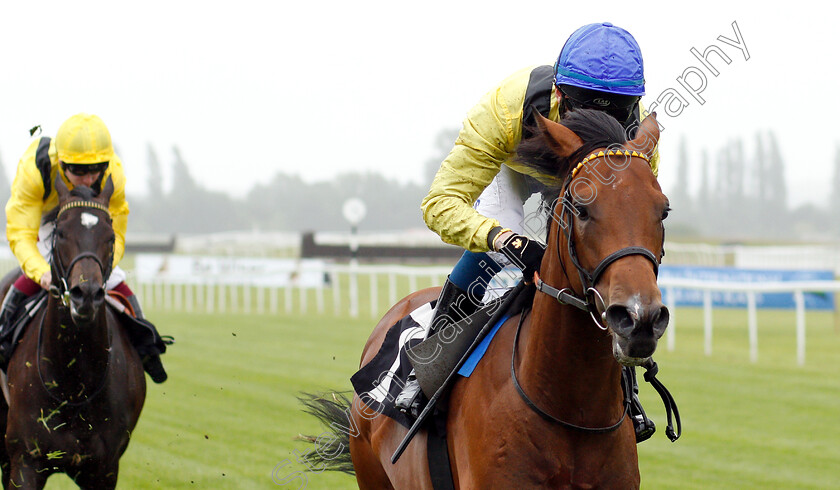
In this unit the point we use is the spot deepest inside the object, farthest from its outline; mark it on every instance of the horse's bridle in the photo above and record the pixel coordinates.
(62, 291)
(591, 300)
(588, 300)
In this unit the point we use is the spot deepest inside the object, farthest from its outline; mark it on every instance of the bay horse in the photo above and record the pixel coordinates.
(545, 407)
(76, 385)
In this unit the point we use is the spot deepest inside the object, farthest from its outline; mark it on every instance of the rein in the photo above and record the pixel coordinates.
(98, 389)
(61, 292)
(589, 302)
(533, 406)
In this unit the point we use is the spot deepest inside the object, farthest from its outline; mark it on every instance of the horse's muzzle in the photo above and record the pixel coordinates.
(85, 300)
(637, 329)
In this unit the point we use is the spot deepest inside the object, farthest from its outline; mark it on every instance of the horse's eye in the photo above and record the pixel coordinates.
(582, 212)
(665, 212)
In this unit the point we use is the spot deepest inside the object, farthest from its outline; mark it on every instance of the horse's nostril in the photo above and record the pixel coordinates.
(76, 294)
(619, 318)
(660, 321)
(86, 293)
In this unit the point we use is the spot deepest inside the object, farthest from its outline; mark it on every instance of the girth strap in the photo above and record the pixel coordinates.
(438, 453)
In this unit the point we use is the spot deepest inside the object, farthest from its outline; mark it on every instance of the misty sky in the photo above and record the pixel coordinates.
(247, 89)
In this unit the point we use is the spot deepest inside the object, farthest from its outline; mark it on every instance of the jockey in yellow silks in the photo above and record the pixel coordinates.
(81, 155)
(477, 198)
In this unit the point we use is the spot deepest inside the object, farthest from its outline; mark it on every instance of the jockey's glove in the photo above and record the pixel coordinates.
(524, 253)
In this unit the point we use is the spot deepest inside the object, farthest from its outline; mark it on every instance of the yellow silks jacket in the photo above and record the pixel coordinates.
(488, 140)
(27, 206)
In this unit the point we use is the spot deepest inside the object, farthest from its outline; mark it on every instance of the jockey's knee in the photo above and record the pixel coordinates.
(26, 285)
(122, 288)
(117, 279)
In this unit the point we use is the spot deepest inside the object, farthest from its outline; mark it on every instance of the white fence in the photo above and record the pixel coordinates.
(798, 289)
(354, 290)
(371, 290)
(821, 257)
(825, 257)
(348, 289)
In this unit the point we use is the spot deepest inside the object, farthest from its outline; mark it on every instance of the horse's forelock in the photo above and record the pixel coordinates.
(86, 193)
(81, 192)
(596, 129)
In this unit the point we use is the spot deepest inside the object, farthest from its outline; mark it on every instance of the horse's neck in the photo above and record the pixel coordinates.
(70, 352)
(566, 361)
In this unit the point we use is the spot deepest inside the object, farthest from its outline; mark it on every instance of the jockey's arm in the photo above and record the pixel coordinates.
(23, 216)
(118, 207)
(485, 142)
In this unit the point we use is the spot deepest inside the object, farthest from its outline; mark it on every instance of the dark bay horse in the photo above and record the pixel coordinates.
(545, 407)
(76, 385)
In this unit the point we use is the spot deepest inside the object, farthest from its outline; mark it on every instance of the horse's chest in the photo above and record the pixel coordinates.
(72, 432)
(527, 455)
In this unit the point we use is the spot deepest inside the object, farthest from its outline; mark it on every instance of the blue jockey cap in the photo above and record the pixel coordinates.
(602, 57)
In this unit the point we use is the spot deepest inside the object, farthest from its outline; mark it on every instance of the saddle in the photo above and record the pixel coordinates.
(379, 381)
(27, 309)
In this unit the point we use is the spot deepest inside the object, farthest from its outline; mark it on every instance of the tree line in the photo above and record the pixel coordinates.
(741, 195)
(282, 202)
(730, 193)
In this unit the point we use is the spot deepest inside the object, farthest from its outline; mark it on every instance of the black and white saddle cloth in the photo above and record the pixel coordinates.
(380, 381)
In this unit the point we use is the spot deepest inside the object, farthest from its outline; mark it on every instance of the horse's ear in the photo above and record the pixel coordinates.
(562, 140)
(648, 136)
(61, 188)
(104, 197)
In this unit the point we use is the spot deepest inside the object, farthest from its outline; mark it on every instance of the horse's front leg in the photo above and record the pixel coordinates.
(5, 464)
(26, 474)
(97, 476)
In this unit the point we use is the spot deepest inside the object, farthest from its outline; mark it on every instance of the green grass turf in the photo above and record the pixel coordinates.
(228, 414)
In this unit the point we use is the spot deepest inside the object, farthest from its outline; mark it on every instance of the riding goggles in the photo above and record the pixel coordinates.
(621, 107)
(82, 169)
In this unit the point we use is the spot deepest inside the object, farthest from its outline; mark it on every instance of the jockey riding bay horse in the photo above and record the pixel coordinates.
(545, 408)
(76, 384)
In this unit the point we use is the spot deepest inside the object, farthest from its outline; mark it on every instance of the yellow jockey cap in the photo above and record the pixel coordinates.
(84, 139)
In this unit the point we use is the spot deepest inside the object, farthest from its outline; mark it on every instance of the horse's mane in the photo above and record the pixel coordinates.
(85, 193)
(597, 129)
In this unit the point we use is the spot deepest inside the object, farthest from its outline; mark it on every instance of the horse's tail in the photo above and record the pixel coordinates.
(333, 410)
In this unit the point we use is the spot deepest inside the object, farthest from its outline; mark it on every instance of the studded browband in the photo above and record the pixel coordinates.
(83, 204)
(609, 153)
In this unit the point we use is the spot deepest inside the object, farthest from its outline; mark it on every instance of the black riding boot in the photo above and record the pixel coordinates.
(452, 306)
(10, 306)
(149, 354)
(641, 423)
